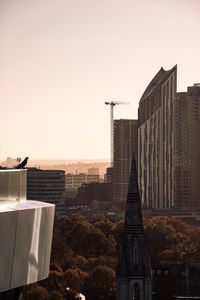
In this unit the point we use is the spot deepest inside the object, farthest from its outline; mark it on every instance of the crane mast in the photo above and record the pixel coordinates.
(112, 104)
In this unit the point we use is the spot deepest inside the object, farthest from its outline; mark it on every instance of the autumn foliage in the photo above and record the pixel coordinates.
(84, 254)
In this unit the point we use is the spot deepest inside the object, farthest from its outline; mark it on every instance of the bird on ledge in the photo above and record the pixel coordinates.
(22, 164)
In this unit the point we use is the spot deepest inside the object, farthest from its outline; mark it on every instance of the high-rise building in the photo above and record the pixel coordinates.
(47, 186)
(155, 141)
(108, 176)
(187, 149)
(134, 279)
(125, 144)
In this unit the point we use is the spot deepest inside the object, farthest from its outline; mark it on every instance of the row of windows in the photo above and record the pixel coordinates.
(165, 272)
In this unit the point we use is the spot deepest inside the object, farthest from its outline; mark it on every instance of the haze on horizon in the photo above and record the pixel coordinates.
(61, 60)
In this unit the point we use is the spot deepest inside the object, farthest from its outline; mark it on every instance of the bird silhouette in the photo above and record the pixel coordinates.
(22, 164)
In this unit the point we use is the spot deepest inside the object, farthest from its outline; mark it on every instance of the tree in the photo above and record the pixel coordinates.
(55, 282)
(60, 250)
(74, 279)
(96, 243)
(178, 225)
(36, 291)
(117, 230)
(160, 237)
(184, 248)
(171, 238)
(106, 226)
(56, 267)
(55, 295)
(195, 239)
(100, 283)
(76, 234)
(109, 261)
(79, 262)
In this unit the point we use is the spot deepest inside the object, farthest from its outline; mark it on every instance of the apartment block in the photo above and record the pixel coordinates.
(155, 141)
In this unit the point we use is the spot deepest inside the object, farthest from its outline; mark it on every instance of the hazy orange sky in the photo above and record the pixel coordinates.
(61, 59)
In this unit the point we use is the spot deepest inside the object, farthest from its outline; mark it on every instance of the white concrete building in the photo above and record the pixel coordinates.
(25, 232)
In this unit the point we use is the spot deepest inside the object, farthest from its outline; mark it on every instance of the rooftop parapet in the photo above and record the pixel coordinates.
(13, 185)
(25, 233)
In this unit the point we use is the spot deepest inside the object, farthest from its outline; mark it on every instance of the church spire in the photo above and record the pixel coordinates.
(134, 271)
(133, 217)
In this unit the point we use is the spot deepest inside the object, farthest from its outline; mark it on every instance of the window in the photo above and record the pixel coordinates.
(166, 272)
(136, 292)
(135, 255)
(158, 272)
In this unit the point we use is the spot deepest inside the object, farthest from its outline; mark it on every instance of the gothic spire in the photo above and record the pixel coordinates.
(133, 217)
(134, 271)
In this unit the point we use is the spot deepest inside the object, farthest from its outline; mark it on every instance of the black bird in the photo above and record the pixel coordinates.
(22, 164)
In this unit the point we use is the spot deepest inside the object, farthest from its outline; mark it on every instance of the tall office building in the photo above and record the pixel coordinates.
(125, 144)
(155, 141)
(48, 186)
(187, 149)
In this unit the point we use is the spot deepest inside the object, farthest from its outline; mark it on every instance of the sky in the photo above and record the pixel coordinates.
(60, 60)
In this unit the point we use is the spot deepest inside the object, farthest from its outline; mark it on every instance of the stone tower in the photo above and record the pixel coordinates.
(134, 280)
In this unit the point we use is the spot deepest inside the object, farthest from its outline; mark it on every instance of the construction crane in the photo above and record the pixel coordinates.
(112, 104)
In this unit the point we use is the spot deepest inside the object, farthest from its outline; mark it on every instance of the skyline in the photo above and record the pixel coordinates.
(61, 60)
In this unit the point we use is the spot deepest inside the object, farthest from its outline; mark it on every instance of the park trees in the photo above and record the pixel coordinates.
(100, 282)
(84, 253)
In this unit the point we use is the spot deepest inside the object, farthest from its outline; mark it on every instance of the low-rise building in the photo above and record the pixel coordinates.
(47, 186)
(74, 181)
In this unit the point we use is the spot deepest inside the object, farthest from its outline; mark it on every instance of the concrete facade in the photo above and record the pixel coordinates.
(187, 149)
(155, 141)
(26, 229)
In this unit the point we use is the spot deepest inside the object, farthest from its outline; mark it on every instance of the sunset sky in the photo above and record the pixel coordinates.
(60, 60)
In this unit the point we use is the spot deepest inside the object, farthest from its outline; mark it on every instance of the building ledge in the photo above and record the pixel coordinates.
(26, 235)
